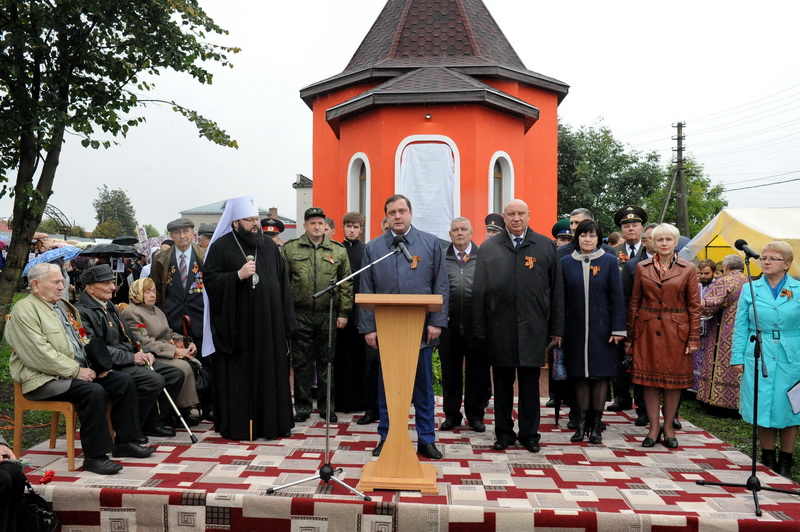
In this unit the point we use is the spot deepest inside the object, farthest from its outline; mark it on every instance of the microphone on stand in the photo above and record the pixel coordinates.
(399, 243)
(741, 245)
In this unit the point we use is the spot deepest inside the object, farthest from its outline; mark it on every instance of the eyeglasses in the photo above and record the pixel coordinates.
(772, 259)
(250, 220)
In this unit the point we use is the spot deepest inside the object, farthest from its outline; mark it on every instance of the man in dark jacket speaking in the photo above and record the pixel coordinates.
(518, 301)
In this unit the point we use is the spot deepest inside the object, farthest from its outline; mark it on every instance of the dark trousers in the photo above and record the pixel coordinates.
(12, 485)
(91, 399)
(310, 346)
(372, 367)
(465, 369)
(422, 398)
(149, 386)
(528, 407)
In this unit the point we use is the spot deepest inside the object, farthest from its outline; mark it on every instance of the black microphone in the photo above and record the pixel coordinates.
(400, 243)
(741, 245)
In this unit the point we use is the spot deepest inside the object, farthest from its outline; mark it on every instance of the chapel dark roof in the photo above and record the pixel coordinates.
(460, 35)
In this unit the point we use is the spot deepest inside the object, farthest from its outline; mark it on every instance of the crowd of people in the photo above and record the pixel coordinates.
(631, 321)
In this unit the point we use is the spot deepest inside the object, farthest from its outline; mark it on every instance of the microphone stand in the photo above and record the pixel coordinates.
(753, 484)
(327, 472)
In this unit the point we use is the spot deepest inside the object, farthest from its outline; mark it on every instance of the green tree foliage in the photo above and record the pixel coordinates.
(82, 67)
(115, 205)
(705, 201)
(109, 229)
(151, 231)
(52, 226)
(598, 172)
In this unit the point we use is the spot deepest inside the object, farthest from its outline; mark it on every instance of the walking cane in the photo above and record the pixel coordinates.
(169, 398)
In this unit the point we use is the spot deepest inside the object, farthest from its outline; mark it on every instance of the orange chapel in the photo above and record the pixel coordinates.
(435, 104)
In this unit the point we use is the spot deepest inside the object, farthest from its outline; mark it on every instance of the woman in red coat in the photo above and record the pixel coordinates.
(663, 331)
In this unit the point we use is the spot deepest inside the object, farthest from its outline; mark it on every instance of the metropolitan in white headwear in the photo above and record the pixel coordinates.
(249, 319)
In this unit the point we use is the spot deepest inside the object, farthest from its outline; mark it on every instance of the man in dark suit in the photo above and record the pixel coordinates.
(178, 276)
(575, 217)
(426, 274)
(630, 219)
(518, 303)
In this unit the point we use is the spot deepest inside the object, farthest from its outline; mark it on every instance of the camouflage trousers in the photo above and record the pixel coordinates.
(309, 346)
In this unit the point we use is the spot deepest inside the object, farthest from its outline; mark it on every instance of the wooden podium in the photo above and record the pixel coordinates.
(399, 320)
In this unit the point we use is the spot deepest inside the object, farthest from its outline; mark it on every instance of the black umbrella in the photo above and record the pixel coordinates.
(112, 250)
(125, 240)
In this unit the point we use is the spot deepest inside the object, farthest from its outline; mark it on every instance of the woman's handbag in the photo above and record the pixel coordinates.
(201, 377)
(35, 514)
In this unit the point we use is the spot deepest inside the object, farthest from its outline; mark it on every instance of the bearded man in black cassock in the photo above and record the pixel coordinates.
(251, 318)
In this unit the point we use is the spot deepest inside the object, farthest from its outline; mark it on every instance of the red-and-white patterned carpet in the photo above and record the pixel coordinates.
(219, 484)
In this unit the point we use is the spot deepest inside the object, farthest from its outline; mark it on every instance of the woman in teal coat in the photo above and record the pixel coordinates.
(777, 296)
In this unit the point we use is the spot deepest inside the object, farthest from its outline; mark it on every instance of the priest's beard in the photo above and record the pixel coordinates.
(251, 239)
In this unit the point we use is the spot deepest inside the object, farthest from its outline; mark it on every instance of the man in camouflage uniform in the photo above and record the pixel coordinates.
(313, 260)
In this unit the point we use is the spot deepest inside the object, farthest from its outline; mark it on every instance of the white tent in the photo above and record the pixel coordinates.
(756, 226)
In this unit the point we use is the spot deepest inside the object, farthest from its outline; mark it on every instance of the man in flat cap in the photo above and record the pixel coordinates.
(313, 260)
(178, 276)
(204, 234)
(494, 224)
(272, 227)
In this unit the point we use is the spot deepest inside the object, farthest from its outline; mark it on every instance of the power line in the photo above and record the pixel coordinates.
(764, 185)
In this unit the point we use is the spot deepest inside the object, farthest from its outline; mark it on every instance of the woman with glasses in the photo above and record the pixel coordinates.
(777, 298)
(663, 331)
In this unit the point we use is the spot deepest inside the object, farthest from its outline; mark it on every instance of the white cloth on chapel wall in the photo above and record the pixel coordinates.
(427, 178)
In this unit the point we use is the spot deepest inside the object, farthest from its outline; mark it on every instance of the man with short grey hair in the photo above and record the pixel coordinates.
(459, 348)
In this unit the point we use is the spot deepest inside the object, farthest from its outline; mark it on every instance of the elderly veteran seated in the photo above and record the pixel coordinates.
(149, 325)
(52, 360)
(102, 320)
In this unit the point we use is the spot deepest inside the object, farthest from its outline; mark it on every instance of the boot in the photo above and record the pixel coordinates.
(581, 426)
(597, 428)
(573, 418)
(785, 463)
(768, 458)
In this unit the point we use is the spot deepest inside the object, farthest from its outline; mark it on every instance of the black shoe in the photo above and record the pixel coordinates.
(650, 442)
(671, 443)
(502, 445)
(477, 425)
(133, 450)
(301, 417)
(101, 466)
(366, 419)
(784, 465)
(532, 446)
(160, 432)
(142, 440)
(378, 448)
(449, 423)
(676, 424)
(641, 420)
(333, 419)
(429, 450)
(550, 403)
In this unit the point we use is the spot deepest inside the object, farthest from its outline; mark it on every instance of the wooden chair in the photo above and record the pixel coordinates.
(21, 405)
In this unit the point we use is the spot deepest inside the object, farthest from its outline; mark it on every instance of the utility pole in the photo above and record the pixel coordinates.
(682, 205)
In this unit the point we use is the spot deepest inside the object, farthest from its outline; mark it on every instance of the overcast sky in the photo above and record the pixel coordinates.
(730, 69)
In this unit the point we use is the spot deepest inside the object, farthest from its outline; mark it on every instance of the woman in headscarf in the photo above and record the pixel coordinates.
(149, 325)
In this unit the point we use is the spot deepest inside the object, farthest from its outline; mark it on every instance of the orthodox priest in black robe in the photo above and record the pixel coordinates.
(251, 318)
